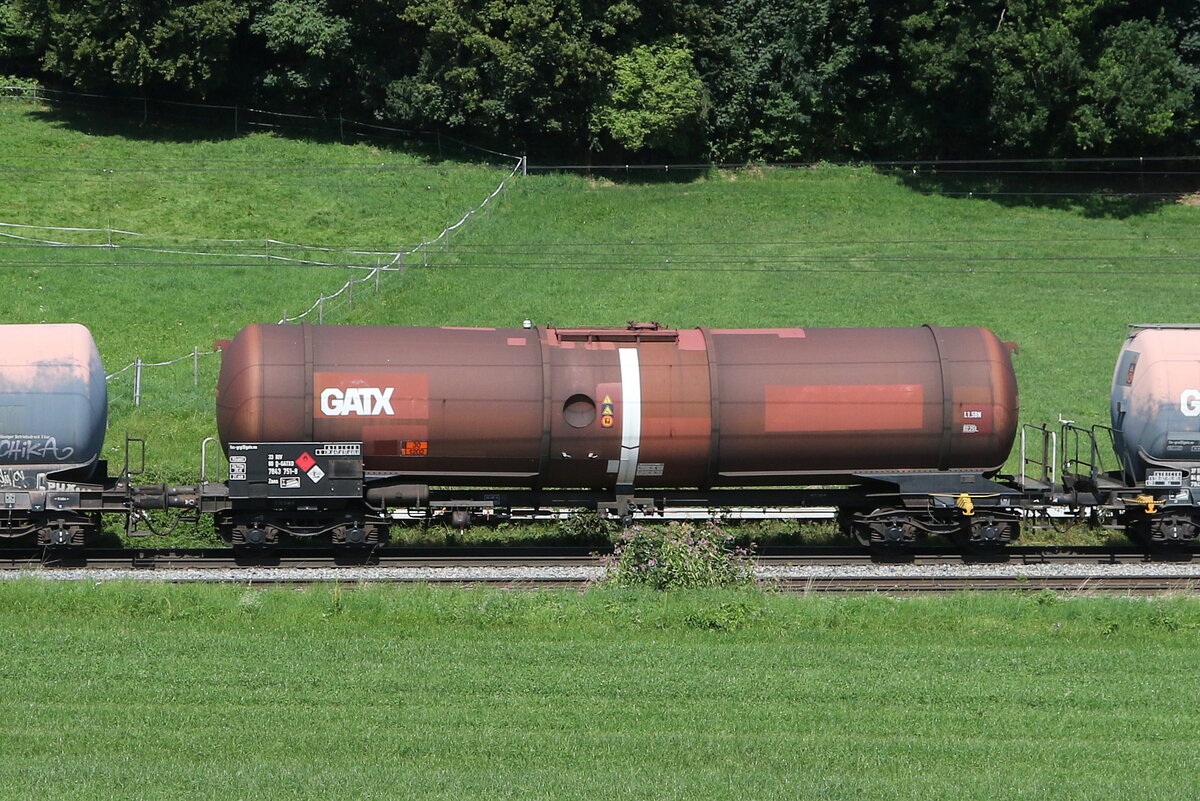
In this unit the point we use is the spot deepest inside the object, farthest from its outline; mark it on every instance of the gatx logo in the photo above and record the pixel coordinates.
(362, 401)
(396, 396)
(1189, 402)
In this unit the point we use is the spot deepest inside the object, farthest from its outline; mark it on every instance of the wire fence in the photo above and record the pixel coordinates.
(241, 119)
(344, 296)
(272, 250)
(137, 366)
(401, 260)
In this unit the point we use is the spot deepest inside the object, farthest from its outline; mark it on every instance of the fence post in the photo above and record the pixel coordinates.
(350, 292)
(235, 119)
(321, 310)
(196, 366)
(137, 383)
(524, 166)
(377, 272)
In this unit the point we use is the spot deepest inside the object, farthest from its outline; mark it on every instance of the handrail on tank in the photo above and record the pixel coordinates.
(1048, 463)
(125, 471)
(204, 459)
(1166, 326)
(1073, 435)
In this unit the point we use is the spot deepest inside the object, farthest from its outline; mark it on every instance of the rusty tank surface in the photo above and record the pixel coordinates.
(642, 407)
(53, 402)
(1156, 404)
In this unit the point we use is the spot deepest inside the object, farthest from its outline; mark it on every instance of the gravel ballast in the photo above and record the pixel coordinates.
(1174, 570)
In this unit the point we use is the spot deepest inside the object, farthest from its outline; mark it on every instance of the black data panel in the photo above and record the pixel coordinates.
(295, 470)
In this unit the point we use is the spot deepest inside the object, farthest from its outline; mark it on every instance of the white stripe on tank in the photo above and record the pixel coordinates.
(631, 414)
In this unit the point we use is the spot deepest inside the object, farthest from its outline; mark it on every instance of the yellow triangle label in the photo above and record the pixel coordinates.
(607, 400)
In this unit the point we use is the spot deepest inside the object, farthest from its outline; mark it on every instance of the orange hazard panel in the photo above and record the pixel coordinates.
(415, 447)
(824, 408)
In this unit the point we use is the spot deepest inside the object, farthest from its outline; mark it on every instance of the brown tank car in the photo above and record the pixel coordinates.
(643, 407)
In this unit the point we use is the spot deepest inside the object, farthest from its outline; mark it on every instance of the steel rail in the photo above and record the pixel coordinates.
(557, 555)
(1076, 585)
(547, 556)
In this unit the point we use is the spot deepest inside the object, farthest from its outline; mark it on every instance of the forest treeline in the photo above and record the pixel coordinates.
(722, 80)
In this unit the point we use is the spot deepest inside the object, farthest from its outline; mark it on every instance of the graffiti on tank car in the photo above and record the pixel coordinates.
(13, 478)
(361, 401)
(33, 449)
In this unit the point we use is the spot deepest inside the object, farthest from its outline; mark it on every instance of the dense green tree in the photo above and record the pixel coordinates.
(733, 79)
(145, 43)
(533, 72)
(521, 70)
(309, 47)
(654, 101)
(15, 40)
(801, 79)
(1044, 77)
(1138, 94)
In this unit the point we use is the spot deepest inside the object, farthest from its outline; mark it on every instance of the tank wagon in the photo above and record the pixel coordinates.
(1154, 494)
(909, 422)
(53, 415)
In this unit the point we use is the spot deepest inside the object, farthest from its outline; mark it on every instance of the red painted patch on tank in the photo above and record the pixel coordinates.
(517, 341)
(782, 333)
(403, 396)
(824, 408)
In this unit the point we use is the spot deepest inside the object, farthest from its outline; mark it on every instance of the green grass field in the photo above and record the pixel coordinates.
(829, 246)
(119, 691)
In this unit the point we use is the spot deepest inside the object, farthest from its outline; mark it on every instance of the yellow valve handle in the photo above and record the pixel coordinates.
(964, 501)
(1147, 501)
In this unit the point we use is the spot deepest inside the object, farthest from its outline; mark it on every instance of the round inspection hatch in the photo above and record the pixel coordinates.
(579, 411)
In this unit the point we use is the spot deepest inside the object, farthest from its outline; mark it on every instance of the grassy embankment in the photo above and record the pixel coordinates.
(116, 691)
(822, 247)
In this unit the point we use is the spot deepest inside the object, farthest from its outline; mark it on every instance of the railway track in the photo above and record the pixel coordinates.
(912, 585)
(516, 556)
(806, 570)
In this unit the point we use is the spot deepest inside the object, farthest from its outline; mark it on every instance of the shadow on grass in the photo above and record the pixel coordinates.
(159, 121)
(1118, 191)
